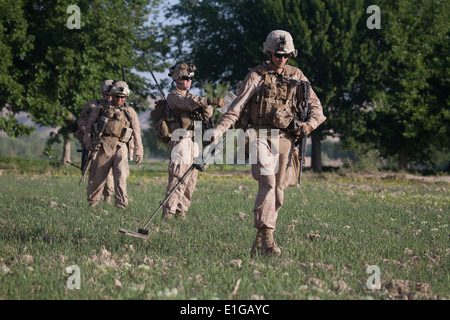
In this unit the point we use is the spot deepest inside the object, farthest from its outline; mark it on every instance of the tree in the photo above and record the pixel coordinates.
(63, 65)
(409, 114)
(226, 37)
(13, 45)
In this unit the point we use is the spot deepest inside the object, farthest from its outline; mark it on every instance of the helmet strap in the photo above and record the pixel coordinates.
(275, 66)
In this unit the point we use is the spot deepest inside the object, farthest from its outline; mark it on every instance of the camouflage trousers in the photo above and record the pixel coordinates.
(106, 172)
(181, 158)
(108, 190)
(274, 172)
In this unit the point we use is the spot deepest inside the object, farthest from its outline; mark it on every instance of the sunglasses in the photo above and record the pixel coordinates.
(187, 78)
(280, 55)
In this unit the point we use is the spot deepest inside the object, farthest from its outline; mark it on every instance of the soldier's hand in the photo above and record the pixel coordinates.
(303, 127)
(216, 101)
(215, 136)
(138, 159)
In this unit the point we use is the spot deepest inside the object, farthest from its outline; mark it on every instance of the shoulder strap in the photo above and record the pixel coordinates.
(127, 114)
(260, 69)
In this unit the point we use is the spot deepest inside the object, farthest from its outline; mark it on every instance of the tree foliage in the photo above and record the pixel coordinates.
(225, 38)
(386, 88)
(410, 112)
(52, 70)
(14, 43)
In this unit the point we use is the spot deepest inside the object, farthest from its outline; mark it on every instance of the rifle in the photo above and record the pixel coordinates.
(73, 164)
(130, 144)
(84, 156)
(97, 142)
(302, 114)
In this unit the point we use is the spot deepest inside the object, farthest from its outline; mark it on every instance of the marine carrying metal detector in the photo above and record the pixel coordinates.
(208, 154)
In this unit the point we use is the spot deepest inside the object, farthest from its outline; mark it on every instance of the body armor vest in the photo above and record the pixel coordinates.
(186, 119)
(274, 105)
(118, 125)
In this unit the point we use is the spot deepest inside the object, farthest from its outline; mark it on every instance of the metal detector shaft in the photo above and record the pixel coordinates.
(302, 156)
(142, 232)
(162, 203)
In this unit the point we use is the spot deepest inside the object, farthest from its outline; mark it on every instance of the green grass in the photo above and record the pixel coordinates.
(331, 228)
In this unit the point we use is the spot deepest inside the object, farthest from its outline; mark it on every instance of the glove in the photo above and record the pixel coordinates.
(138, 159)
(216, 134)
(216, 101)
(303, 126)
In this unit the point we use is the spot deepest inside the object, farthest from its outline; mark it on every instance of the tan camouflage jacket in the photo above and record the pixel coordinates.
(110, 143)
(252, 85)
(183, 104)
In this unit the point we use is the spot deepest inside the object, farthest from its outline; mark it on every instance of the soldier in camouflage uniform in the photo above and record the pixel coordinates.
(266, 99)
(186, 108)
(79, 134)
(122, 125)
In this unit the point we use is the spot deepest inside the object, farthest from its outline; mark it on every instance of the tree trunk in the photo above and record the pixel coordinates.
(316, 154)
(66, 151)
(402, 159)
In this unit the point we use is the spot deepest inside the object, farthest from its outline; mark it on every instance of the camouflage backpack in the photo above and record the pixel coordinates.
(163, 120)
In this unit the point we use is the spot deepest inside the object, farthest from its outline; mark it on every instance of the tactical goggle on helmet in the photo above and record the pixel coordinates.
(280, 42)
(120, 89)
(182, 70)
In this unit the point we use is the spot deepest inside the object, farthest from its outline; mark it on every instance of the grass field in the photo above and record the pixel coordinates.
(332, 229)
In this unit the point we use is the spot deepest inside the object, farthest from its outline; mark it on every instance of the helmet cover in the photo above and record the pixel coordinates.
(185, 69)
(120, 89)
(279, 41)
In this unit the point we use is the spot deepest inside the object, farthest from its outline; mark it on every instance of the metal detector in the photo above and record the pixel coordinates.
(143, 232)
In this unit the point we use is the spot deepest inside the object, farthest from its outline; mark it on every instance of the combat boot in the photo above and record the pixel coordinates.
(268, 246)
(167, 215)
(180, 215)
(257, 244)
(107, 199)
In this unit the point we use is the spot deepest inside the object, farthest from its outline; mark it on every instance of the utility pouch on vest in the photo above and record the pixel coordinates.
(125, 135)
(163, 130)
(283, 117)
(164, 121)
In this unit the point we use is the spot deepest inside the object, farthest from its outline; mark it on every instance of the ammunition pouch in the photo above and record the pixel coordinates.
(283, 117)
(126, 134)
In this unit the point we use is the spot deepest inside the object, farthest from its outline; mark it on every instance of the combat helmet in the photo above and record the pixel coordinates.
(106, 86)
(185, 69)
(120, 89)
(279, 41)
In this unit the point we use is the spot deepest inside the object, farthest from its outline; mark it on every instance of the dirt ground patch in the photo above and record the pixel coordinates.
(429, 179)
(399, 176)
